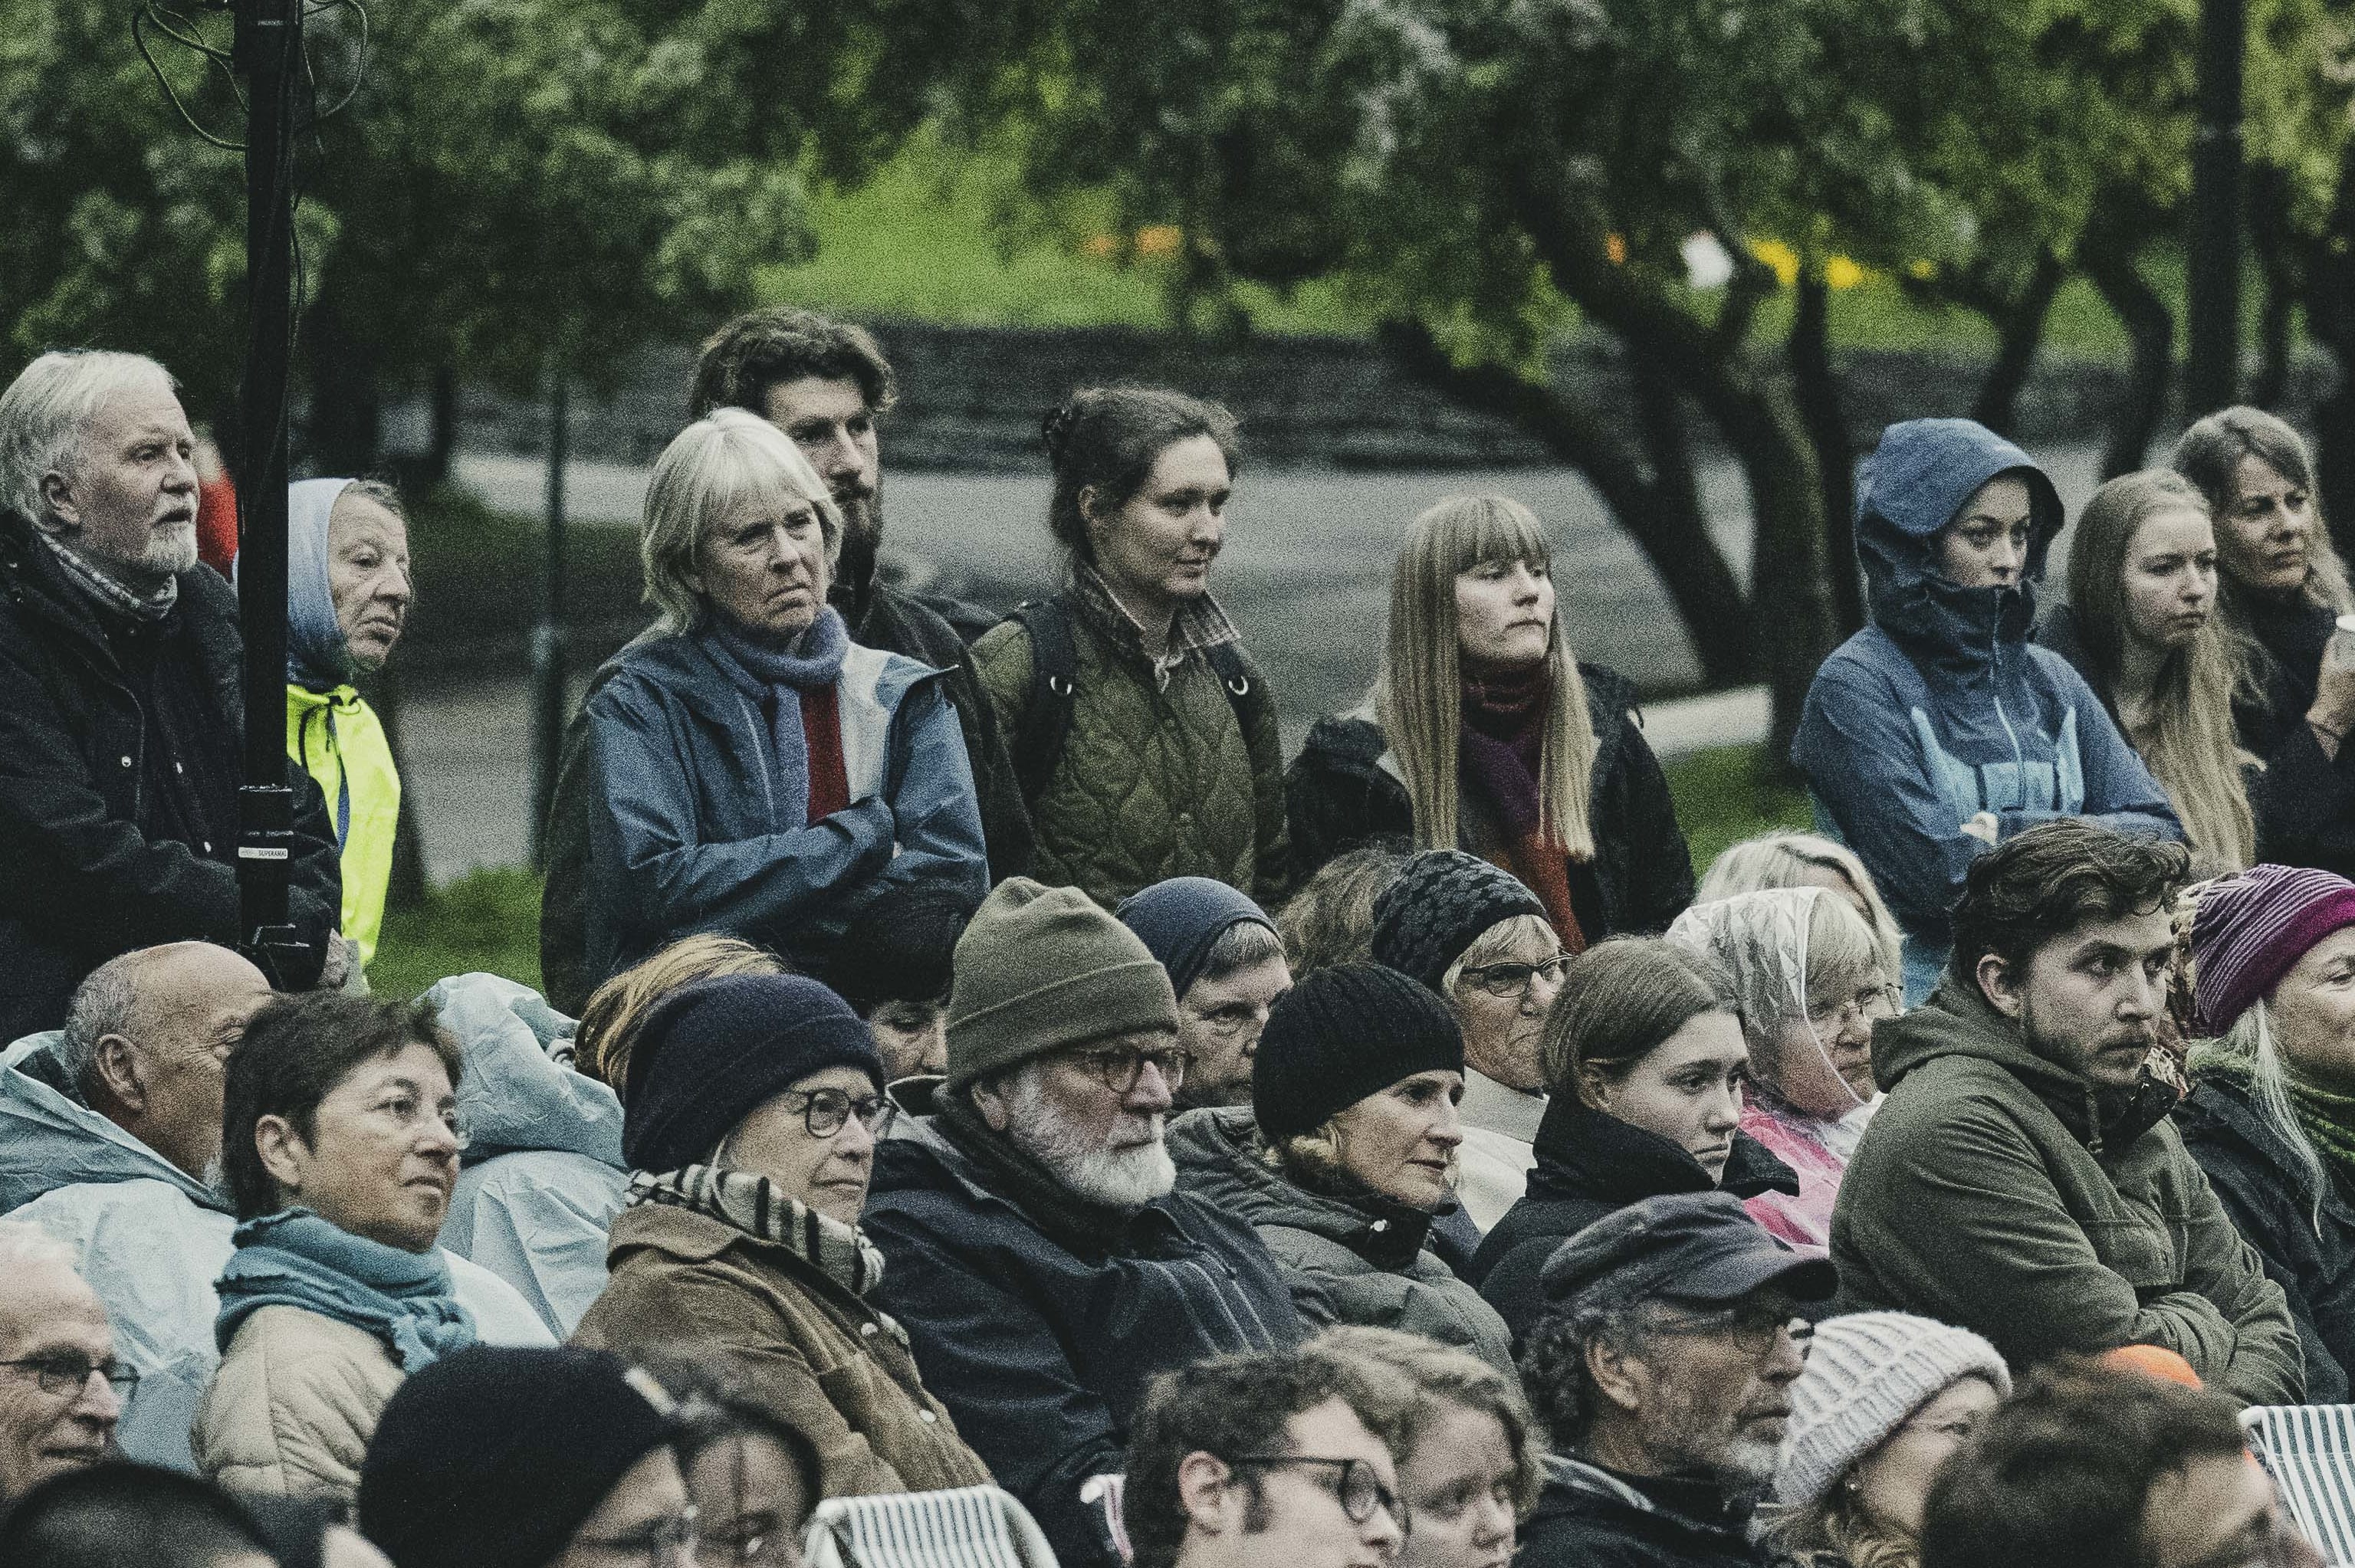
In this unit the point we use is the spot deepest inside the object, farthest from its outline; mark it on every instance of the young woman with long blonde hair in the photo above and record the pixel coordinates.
(1485, 732)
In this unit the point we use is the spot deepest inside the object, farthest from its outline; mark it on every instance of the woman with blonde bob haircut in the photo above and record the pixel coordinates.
(755, 773)
(2140, 626)
(1484, 732)
(1806, 860)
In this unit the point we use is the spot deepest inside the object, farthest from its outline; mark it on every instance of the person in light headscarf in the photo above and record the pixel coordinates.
(1810, 981)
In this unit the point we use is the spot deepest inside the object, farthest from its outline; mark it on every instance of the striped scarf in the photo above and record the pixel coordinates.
(752, 1204)
(100, 585)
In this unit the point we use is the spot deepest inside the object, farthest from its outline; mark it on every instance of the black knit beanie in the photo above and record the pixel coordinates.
(900, 946)
(492, 1458)
(711, 1053)
(1437, 909)
(1342, 1034)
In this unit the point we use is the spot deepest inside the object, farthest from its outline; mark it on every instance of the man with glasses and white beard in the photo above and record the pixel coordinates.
(1041, 1261)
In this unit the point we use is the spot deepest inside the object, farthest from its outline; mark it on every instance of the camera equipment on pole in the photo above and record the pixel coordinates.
(269, 55)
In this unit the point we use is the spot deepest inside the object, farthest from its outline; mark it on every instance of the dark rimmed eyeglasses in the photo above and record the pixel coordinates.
(62, 1375)
(1122, 1068)
(1503, 981)
(1352, 1481)
(665, 1542)
(824, 1111)
(1751, 1325)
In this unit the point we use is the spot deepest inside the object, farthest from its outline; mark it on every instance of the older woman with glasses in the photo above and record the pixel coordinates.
(754, 1102)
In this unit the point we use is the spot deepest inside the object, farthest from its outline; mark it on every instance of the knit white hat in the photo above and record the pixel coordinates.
(1866, 1374)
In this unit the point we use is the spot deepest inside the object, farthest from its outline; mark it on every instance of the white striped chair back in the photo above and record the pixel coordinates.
(2309, 1451)
(965, 1526)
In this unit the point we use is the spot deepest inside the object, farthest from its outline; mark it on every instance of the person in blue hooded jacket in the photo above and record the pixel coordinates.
(1940, 730)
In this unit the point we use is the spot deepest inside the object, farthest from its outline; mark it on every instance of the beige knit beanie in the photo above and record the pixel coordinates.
(1867, 1373)
(1041, 968)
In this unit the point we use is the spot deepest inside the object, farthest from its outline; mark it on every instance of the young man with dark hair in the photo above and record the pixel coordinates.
(1245, 1461)
(2093, 1468)
(2022, 1178)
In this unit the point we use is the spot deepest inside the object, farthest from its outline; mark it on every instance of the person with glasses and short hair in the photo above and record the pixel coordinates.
(1244, 1460)
(754, 1106)
(61, 1389)
(1227, 965)
(1661, 1367)
(1345, 1157)
(340, 1142)
(1647, 1061)
(1481, 939)
(1039, 1256)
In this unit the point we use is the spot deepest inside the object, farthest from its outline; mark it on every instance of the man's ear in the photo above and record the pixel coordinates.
(1202, 1488)
(989, 1100)
(2000, 985)
(1620, 1377)
(117, 1065)
(57, 494)
(275, 1140)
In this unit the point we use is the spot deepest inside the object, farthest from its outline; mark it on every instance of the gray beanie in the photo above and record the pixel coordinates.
(1865, 1375)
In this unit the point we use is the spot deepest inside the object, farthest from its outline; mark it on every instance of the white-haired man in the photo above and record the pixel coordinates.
(58, 1377)
(1039, 1259)
(120, 704)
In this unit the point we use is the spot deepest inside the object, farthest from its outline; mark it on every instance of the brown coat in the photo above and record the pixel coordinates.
(822, 1359)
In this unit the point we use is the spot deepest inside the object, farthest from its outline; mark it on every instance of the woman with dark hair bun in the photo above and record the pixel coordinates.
(1144, 735)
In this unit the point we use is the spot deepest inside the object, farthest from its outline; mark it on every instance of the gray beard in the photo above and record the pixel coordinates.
(1115, 1178)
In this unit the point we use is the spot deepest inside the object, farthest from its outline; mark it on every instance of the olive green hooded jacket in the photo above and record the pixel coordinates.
(1995, 1191)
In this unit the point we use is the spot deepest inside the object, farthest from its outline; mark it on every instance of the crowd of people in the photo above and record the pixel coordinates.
(978, 1073)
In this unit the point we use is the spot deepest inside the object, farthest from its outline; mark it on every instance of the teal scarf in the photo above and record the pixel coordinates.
(295, 1259)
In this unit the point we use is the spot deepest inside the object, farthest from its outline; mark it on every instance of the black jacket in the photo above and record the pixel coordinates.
(2304, 1232)
(86, 874)
(1588, 1517)
(1589, 1165)
(1338, 795)
(1041, 1341)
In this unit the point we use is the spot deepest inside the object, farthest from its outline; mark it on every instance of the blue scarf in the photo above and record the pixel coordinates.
(295, 1259)
(774, 678)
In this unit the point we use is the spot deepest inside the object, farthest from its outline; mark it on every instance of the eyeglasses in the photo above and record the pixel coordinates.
(62, 1375)
(1352, 1481)
(754, 1540)
(1122, 1068)
(1502, 981)
(406, 1112)
(661, 1544)
(1751, 1325)
(1871, 1004)
(824, 1110)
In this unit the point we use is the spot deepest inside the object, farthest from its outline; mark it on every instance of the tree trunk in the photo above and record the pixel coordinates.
(2275, 250)
(1817, 389)
(346, 405)
(2110, 267)
(2330, 318)
(2020, 329)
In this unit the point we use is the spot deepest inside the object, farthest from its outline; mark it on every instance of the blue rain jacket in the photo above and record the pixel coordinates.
(1942, 708)
(544, 1174)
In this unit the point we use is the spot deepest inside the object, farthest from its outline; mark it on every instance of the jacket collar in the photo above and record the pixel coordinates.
(1492, 1107)
(1578, 1487)
(49, 1138)
(1584, 1154)
(1224, 1145)
(1082, 1229)
(2224, 1102)
(750, 1208)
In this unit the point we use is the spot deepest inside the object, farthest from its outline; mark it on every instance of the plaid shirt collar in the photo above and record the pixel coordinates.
(1198, 625)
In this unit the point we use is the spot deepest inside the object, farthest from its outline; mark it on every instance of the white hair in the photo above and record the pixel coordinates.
(25, 1245)
(724, 462)
(46, 414)
(1116, 1177)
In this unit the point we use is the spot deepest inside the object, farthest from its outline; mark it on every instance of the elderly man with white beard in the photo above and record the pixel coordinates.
(120, 700)
(1039, 1256)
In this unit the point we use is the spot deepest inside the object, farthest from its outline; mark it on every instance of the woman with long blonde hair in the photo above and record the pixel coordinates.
(1485, 732)
(2141, 627)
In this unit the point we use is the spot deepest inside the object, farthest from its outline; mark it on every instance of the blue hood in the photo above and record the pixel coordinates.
(1914, 482)
(49, 1140)
(515, 1094)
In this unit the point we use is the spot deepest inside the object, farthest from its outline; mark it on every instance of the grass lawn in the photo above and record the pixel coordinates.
(489, 920)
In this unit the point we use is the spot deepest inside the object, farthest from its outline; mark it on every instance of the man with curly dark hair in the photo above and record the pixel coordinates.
(2023, 1179)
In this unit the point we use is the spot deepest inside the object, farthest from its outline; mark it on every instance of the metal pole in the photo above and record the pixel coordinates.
(269, 52)
(2212, 373)
(547, 668)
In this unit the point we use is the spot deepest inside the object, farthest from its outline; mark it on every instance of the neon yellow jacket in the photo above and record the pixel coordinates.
(339, 742)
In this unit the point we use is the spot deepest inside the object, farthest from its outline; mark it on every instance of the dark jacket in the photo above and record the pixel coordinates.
(1363, 1261)
(1943, 709)
(1995, 1191)
(1041, 1341)
(1588, 1517)
(882, 618)
(1591, 1164)
(87, 870)
(1343, 789)
(2304, 1230)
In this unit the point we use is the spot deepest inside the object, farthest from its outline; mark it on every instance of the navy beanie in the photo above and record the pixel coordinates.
(1181, 921)
(493, 1457)
(1342, 1034)
(1438, 906)
(900, 946)
(713, 1052)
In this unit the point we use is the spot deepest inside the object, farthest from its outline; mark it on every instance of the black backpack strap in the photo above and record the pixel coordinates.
(1037, 740)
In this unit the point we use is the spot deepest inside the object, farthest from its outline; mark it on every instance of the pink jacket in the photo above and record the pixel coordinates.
(1794, 1140)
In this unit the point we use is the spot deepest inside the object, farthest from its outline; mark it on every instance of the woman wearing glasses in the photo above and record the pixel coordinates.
(1885, 1401)
(1645, 1057)
(1483, 731)
(1809, 977)
(754, 1101)
(340, 1144)
(1344, 1156)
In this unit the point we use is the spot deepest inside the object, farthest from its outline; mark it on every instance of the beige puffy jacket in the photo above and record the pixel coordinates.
(292, 1407)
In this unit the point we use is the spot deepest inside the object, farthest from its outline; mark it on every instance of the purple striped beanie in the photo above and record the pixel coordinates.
(2252, 928)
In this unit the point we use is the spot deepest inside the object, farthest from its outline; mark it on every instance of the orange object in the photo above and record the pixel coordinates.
(2152, 1361)
(217, 522)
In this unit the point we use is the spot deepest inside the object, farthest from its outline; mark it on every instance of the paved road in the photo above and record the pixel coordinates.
(1305, 572)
